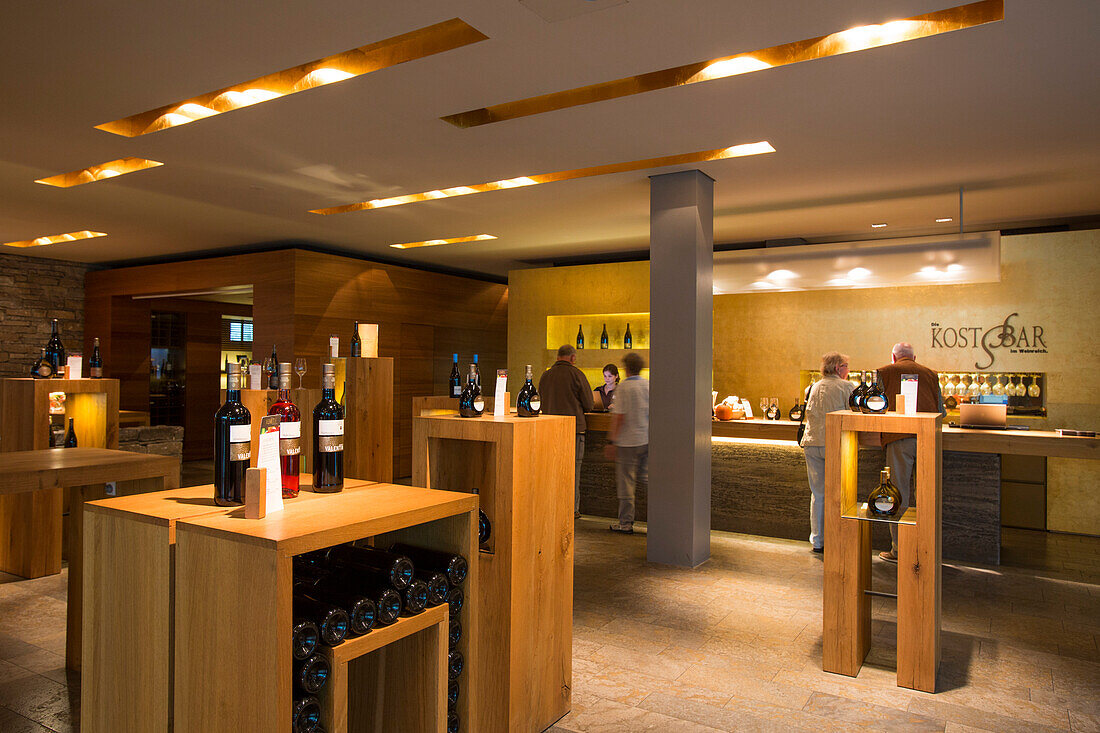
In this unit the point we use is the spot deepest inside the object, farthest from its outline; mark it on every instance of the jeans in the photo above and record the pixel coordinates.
(631, 466)
(815, 474)
(577, 476)
(901, 455)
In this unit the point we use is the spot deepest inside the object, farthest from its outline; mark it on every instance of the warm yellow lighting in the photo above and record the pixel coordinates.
(735, 151)
(110, 169)
(434, 242)
(751, 441)
(878, 226)
(433, 39)
(55, 238)
(834, 44)
(782, 275)
(944, 220)
(859, 273)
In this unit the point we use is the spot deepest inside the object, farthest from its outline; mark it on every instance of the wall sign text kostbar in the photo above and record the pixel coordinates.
(1016, 337)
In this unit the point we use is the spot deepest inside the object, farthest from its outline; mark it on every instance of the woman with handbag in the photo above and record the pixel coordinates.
(828, 395)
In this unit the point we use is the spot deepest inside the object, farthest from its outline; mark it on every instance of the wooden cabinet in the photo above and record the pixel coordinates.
(523, 471)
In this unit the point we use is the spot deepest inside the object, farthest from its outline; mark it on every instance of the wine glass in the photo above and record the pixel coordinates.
(1033, 390)
(984, 387)
(998, 385)
(763, 407)
(270, 369)
(300, 369)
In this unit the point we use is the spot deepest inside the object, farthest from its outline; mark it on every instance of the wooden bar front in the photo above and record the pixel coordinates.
(523, 471)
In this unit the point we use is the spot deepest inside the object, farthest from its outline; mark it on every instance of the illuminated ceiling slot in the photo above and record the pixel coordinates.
(433, 39)
(436, 242)
(834, 44)
(55, 239)
(736, 151)
(100, 172)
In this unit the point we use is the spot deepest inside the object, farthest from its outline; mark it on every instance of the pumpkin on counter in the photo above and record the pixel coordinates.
(722, 411)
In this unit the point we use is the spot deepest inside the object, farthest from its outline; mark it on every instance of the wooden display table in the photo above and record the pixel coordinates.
(847, 582)
(523, 468)
(84, 470)
(24, 425)
(129, 602)
(234, 609)
(444, 405)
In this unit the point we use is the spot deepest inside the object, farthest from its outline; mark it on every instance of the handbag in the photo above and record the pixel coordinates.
(802, 422)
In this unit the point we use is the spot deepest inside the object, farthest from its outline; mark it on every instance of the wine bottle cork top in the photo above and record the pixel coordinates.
(328, 369)
(284, 368)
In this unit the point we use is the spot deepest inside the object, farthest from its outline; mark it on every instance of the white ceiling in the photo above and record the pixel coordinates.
(1009, 110)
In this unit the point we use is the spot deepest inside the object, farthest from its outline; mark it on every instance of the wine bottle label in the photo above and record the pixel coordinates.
(334, 346)
(45, 370)
(479, 404)
(96, 372)
(456, 391)
(290, 446)
(330, 428)
(240, 451)
(290, 430)
(875, 402)
(330, 443)
(536, 404)
(240, 433)
(884, 504)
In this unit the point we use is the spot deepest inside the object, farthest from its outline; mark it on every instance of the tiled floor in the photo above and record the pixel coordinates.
(736, 644)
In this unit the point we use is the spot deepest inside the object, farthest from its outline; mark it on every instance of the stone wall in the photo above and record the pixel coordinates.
(34, 290)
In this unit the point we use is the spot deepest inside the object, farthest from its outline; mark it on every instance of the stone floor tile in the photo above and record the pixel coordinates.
(606, 716)
(736, 682)
(738, 715)
(870, 715)
(654, 665)
(1089, 704)
(1084, 722)
(938, 708)
(45, 663)
(13, 722)
(889, 695)
(43, 701)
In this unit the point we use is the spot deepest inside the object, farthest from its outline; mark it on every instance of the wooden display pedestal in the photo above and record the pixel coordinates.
(444, 405)
(233, 607)
(523, 469)
(33, 520)
(129, 605)
(847, 604)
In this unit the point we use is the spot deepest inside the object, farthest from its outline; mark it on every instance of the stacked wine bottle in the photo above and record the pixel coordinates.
(347, 590)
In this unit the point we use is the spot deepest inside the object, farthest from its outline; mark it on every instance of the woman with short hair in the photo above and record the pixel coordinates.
(829, 394)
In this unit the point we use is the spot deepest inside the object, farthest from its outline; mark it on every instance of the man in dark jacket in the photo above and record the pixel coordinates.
(565, 391)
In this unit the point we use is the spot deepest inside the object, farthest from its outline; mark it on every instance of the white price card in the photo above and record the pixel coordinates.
(74, 363)
(254, 378)
(909, 390)
(500, 404)
(747, 408)
(334, 346)
(269, 458)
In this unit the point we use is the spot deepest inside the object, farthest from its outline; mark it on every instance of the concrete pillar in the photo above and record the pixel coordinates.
(681, 251)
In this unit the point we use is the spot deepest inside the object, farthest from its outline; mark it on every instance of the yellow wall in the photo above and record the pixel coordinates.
(762, 340)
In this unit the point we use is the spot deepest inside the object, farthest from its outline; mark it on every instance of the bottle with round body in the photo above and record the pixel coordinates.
(528, 403)
(232, 443)
(95, 363)
(795, 412)
(55, 352)
(772, 413)
(874, 400)
(43, 367)
(855, 400)
(885, 499)
(471, 403)
(328, 436)
(290, 434)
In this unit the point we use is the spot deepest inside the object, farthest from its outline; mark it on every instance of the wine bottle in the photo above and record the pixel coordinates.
(454, 723)
(332, 621)
(70, 436)
(328, 432)
(855, 400)
(306, 715)
(874, 398)
(456, 379)
(454, 633)
(415, 596)
(290, 434)
(455, 663)
(356, 342)
(477, 372)
(772, 413)
(452, 694)
(232, 443)
(304, 638)
(43, 367)
(311, 674)
(471, 403)
(604, 342)
(456, 599)
(55, 352)
(362, 611)
(528, 403)
(795, 412)
(452, 565)
(395, 568)
(436, 585)
(387, 600)
(484, 528)
(580, 337)
(273, 370)
(95, 364)
(885, 499)
(628, 340)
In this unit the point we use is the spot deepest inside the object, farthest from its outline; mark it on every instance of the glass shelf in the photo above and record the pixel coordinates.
(861, 512)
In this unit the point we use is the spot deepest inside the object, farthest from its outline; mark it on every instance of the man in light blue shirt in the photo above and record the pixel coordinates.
(628, 439)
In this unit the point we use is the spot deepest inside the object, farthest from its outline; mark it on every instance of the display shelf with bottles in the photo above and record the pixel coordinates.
(563, 330)
(401, 688)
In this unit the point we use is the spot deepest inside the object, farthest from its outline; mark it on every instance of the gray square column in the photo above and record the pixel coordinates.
(681, 254)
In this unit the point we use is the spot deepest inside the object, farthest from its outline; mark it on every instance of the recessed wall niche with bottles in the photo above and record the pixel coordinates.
(167, 368)
(570, 329)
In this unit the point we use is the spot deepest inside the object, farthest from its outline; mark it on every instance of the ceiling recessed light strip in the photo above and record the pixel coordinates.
(736, 151)
(435, 242)
(834, 44)
(55, 239)
(433, 39)
(101, 172)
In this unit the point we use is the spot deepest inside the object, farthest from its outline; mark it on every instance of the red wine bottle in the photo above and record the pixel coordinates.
(232, 443)
(95, 364)
(452, 565)
(311, 674)
(328, 432)
(290, 434)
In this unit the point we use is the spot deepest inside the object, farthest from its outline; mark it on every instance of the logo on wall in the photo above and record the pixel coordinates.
(1017, 338)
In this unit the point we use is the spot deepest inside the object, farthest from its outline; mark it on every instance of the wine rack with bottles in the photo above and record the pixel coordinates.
(235, 613)
(522, 469)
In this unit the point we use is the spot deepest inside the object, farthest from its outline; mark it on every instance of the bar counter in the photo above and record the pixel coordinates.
(759, 485)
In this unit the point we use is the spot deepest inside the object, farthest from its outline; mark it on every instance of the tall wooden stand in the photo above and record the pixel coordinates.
(364, 385)
(523, 469)
(234, 611)
(30, 523)
(847, 603)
